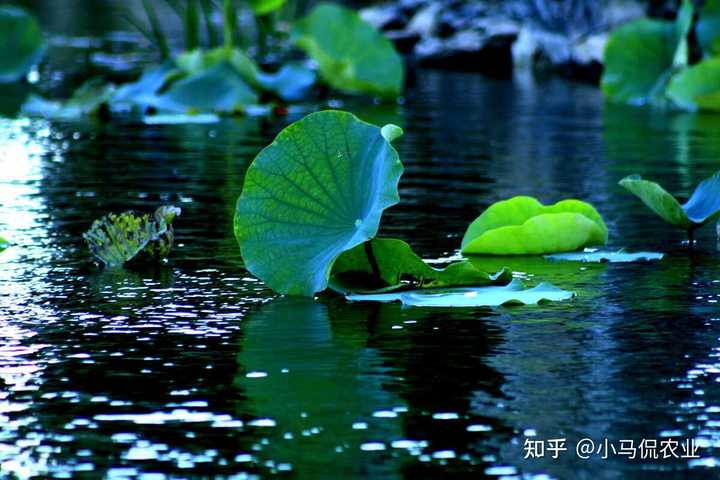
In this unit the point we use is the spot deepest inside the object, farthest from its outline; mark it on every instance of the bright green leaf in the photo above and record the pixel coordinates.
(522, 226)
(199, 61)
(118, 238)
(22, 43)
(641, 55)
(4, 244)
(389, 264)
(318, 190)
(352, 55)
(511, 294)
(592, 256)
(263, 7)
(697, 87)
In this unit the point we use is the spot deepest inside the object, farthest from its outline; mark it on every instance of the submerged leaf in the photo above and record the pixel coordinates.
(702, 207)
(513, 293)
(595, 256)
(522, 226)
(351, 54)
(318, 190)
(118, 238)
(640, 57)
(22, 43)
(389, 264)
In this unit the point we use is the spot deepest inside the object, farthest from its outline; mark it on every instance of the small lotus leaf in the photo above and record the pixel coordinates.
(513, 293)
(389, 264)
(702, 207)
(522, 226)
(317, 190)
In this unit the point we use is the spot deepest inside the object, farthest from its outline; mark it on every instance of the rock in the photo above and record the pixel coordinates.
(385, 17)
(404, 41)
(467, 50)
(424, 23)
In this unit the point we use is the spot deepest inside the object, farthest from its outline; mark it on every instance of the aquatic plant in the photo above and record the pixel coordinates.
(311, 206)
(351, 54)
(22, 43)
(524, 226)
(702, 207)
(116, 239)
(641, 57)
(317, 190)
(389, 264)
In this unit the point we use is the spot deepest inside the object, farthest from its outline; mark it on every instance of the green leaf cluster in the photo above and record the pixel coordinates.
(646, 61)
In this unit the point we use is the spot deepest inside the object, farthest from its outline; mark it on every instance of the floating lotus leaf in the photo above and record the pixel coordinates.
(513, 293)
(596, 256)
(22, 43)
(702, 207)
(351, 54)
(118, 238)
(524, 226)
(389, 264)
(317, 190)
(86, 101)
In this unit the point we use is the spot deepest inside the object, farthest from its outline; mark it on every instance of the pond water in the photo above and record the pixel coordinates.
(195, 369)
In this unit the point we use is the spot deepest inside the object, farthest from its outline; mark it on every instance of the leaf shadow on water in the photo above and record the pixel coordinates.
(338, 379)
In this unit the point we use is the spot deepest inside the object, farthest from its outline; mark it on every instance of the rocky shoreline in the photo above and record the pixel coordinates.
(497, 38)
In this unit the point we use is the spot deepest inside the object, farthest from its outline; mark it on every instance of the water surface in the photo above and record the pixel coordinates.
(195, 369)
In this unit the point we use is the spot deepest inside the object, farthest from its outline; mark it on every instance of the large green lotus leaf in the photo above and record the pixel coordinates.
(317, 190)
(263, 7)
(697, 87)
(513, 293)
(707, 29)
(389, 264)
(86, 101)
(597, 256)
(352, 55)
(118, 238)
(219, 89)
(523, 226)
(641, 55)
(22, 43)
